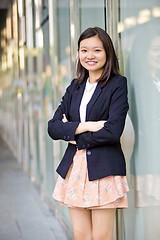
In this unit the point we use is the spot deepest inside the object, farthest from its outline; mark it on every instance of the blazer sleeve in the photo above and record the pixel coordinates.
(113, 127)
(57, 129)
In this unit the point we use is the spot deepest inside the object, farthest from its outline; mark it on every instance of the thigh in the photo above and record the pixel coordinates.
(103, 223)
(81, 222)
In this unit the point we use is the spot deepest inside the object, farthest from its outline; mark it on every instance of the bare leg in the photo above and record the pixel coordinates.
(82, 223)
(103, 223)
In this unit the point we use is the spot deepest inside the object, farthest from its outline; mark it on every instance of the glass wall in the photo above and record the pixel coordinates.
(139, 28)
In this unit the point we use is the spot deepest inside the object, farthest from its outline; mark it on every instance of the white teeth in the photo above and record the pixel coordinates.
(91, 63)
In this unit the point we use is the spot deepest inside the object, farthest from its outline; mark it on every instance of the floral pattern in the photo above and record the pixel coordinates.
(77, 191)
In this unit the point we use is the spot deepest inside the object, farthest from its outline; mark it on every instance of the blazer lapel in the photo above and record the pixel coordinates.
(93, 99)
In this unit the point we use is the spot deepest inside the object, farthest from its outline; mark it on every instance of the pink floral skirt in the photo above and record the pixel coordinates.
(77, 191)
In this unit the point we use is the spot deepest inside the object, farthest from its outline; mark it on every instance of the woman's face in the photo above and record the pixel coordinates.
(92, 55)
(153, 55)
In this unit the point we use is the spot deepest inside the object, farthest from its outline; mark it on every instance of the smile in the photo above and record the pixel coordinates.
(91, 62)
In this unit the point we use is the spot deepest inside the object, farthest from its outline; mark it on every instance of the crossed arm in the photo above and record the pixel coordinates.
(86, 126)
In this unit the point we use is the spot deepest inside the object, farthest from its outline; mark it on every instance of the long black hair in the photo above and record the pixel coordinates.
(111, 66)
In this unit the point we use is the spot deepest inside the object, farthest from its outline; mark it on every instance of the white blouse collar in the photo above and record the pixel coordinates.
(89, 86)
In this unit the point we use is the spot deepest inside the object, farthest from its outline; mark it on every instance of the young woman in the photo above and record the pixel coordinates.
(91, 117)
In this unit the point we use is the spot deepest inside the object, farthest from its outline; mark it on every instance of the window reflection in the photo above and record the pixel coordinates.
(144, 78)
(139, 29)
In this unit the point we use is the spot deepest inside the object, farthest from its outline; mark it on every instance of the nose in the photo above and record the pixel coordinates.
(90, 55)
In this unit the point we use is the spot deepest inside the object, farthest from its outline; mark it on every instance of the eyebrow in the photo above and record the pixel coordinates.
(94, 47)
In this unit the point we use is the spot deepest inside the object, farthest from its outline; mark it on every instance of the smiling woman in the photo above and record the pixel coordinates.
(96, 51)
(91, 117)
(92, 57)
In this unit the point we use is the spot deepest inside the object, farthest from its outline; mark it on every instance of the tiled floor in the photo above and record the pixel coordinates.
(23, 215)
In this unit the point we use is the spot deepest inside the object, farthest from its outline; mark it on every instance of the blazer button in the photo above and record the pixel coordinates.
(88, 153)
(68, 137)
(88, 145)
(64, 137)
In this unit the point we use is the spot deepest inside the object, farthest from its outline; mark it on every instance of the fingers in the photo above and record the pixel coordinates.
(72, 142)
(64, 119)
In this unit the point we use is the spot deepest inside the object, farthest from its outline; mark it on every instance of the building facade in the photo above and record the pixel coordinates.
(39, 52)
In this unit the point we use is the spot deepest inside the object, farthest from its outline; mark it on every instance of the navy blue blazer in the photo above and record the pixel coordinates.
(103, 149)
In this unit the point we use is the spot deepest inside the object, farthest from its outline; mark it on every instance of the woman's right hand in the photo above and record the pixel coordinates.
(89, 126)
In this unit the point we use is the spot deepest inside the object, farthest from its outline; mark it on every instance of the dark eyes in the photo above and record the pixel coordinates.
(96, 50)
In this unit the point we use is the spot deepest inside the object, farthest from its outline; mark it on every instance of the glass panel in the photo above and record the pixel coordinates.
(139, 29)
(91, 14)
(44, 12)
(64, 72)
(46, 109)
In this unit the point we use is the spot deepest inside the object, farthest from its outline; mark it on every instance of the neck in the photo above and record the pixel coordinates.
(93, 76)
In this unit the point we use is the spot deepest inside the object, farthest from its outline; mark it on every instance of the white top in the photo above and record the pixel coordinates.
(88, 92)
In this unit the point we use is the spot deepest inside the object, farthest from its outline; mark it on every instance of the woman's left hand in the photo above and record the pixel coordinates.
(64, 119)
